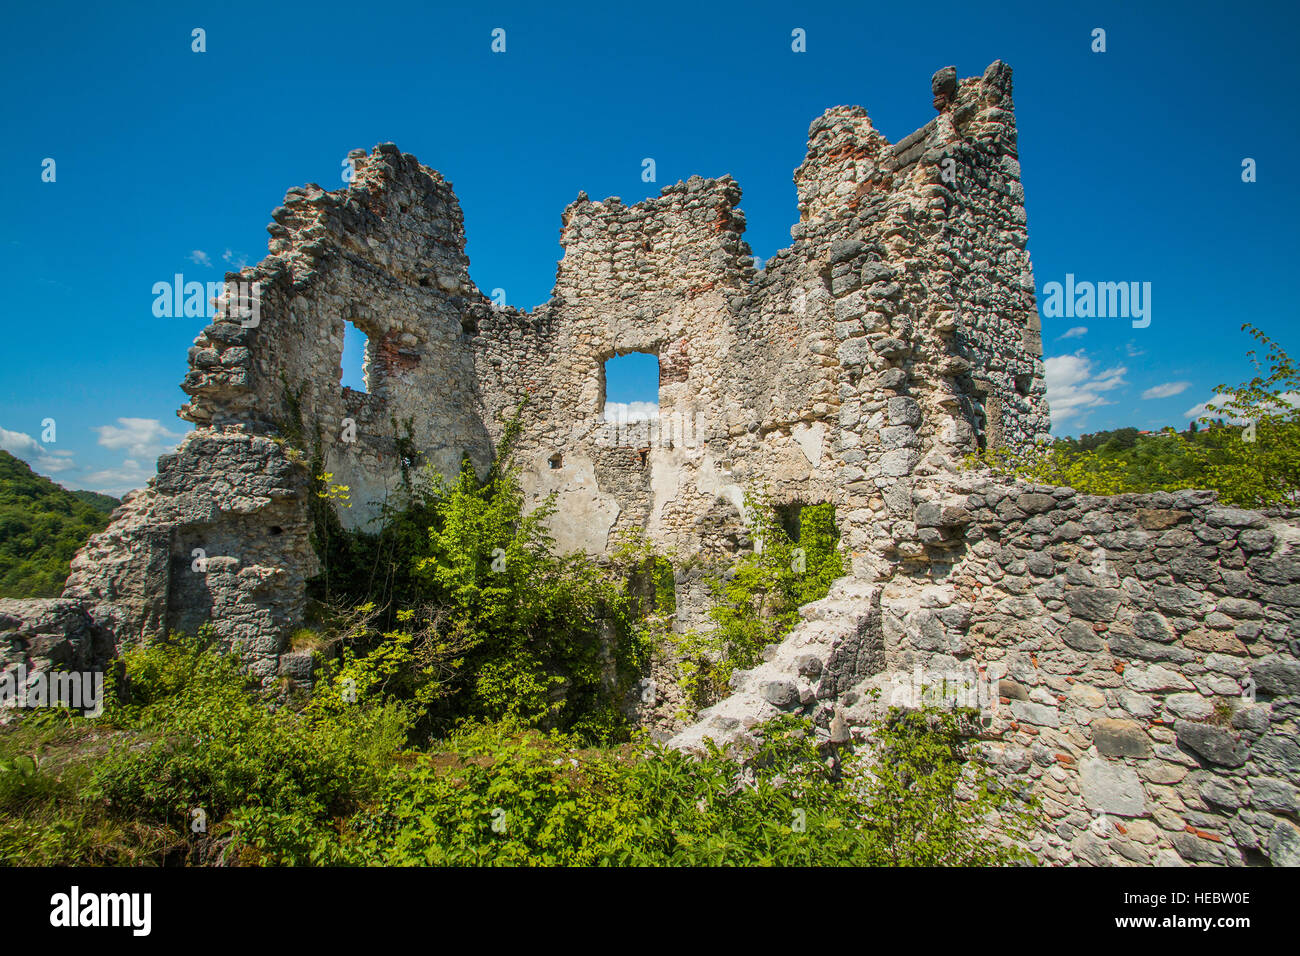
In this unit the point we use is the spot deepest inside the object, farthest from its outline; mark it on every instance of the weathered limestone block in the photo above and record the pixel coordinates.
(1112, 788)
(43, 633)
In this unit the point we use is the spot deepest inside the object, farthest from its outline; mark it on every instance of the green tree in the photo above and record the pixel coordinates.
(1248, 450)
(1256, 461)
(481, 619)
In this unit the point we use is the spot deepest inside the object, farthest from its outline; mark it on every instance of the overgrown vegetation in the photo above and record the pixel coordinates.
(757, 602)
(41, 527)
(199, 769)
(469, 708)
(100, 502)
(460, 604)
(1247, 447)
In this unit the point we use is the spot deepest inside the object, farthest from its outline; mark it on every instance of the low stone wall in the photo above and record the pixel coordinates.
(1134, 659)
(836, 644)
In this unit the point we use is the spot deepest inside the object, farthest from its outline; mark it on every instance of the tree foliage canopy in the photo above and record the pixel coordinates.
(41, 527)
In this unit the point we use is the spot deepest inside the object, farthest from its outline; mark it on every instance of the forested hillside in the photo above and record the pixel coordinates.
(41, 527)
(104, 503)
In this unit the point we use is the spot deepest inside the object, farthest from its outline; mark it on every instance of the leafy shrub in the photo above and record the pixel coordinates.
(204, 742)
(495, 797)
(45, 762)
(483, 620)
(531, 620)
(1257, 461)
(931, 801)
(331, 783)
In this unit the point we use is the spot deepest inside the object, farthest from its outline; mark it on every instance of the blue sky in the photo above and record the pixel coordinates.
(171, 161)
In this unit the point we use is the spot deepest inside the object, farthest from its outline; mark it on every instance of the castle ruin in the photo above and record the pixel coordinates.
(897, 334)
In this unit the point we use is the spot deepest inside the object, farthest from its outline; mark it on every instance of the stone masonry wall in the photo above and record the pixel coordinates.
(1136, 661)
(387, 254)
(1145, 649)
(830, 375)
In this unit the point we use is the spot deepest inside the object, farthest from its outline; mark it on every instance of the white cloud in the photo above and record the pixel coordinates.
(1078, 332)
(118, 481)
(631, 411)
(18, 444)
(238, 260)
(140, 437)
(1201, 411)
(1073, 387)
(1167, 390)
(201, 257)
(41, 457)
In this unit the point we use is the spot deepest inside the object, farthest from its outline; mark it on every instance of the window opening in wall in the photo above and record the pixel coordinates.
(630, 390)
(556, 460)
(789, 515)
(355, 348)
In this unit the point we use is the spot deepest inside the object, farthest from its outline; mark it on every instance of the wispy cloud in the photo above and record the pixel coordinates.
(1201, 410)
(140, 437)
(1073, 387)
(1167, 390)
(202, 258)
(118, 481)
(236, 259)
(1078, 332)
(41, 457)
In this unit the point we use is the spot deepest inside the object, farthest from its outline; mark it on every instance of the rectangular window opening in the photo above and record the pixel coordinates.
(630, 388)
(356, 359)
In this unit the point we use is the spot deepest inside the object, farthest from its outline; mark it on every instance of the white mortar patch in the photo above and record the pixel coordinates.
(809, 438)
(583, 514)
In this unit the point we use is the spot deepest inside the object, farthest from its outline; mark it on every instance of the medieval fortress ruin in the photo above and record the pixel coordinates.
(1141, 651)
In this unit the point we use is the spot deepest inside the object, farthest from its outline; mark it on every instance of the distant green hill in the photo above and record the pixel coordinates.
(101, 503)
(41, 527)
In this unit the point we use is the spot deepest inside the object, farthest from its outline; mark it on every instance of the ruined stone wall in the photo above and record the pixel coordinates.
(834, 374)
(1143, 649)
(386, 254)
(220, 536)
(986, 278)
(931, 292)
(1135, 660)
(1146, 653)
(650, 278)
